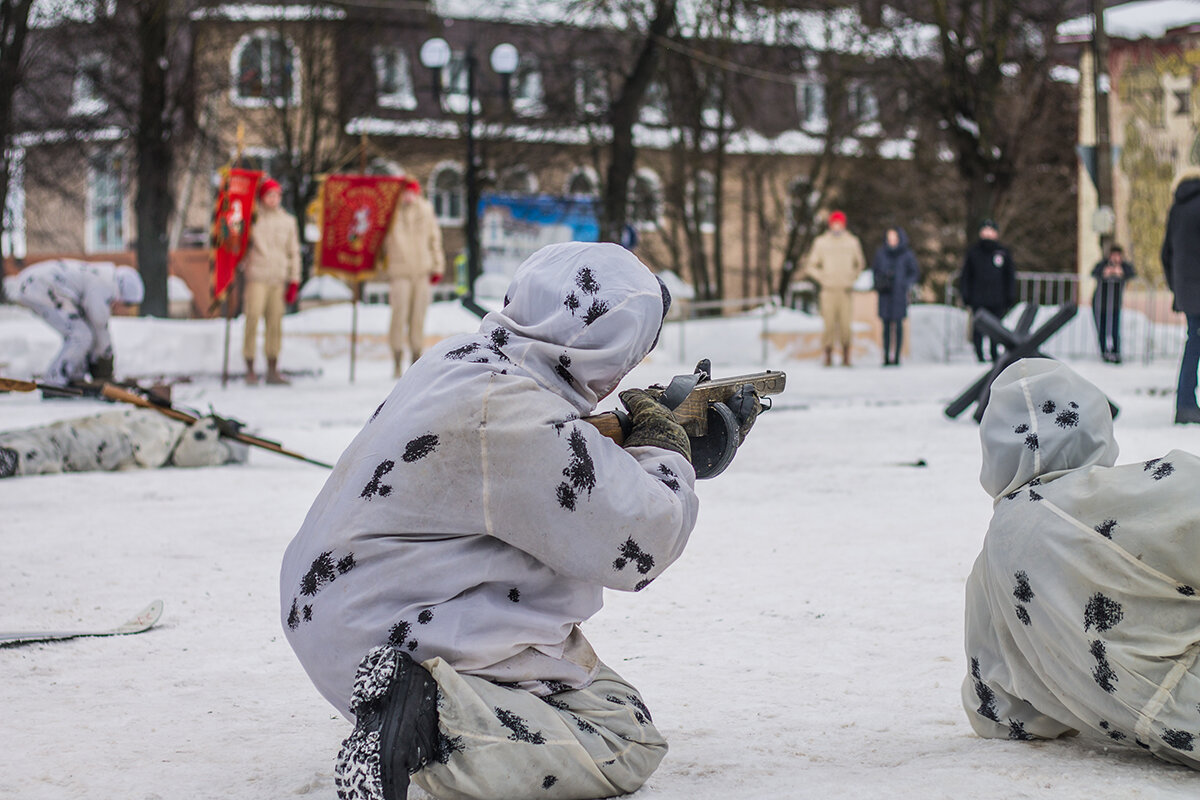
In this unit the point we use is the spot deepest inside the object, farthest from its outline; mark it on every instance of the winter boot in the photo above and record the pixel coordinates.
(251, 375)
(274, 377)
(846, 355)
(1186, 415)
(396, 729)
(829, 356)
(398, 361)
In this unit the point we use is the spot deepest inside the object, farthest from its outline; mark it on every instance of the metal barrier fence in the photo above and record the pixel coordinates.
(1149, 329)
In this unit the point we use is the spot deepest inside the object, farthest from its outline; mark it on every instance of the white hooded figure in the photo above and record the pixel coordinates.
(76, 298)
(475, 522)
(1082, 613)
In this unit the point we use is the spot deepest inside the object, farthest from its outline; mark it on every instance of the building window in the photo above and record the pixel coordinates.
(810, 102)
(517, 180)
(393, 78)
(455, 78)
(583, 182)
(591, 89)
(703, 196)
(446, 192)
(528, 98)
(105, 205)
(645, 199)
(862, 103)
(91, 74)
(264, 66)
(654, 104)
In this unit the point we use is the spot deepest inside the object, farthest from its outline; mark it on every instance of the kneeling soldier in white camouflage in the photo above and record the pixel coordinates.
(76, 298)
(472, 526)
(1082, 610)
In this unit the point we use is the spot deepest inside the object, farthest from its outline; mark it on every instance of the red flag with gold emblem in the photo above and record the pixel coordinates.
(356, 211)
(230, 232)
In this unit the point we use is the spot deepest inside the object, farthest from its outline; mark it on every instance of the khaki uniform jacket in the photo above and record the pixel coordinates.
(835, 260)
(273, 256)
(413, 246)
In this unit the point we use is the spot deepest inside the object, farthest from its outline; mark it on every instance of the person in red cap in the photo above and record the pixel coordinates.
(834, 263)
(415, 261)
(272, 267)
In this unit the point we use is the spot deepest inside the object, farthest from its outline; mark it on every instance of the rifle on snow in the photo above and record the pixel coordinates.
(228, 428)
(707, 409)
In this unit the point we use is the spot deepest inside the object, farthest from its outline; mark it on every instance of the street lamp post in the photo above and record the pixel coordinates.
(435, 55)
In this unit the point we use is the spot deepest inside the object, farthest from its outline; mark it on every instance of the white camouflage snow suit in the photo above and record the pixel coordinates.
(1082, 612)
(475, 521)
(75, 298)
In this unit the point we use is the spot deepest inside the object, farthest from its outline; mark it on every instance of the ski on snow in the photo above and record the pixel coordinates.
(142, 621)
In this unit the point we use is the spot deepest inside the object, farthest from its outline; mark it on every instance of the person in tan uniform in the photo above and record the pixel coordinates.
(834, 262)
(272, 267)
(413, 249)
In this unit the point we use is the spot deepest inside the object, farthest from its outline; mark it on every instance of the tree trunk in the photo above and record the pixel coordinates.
(154, 157)
(14, 24)
(623, 114)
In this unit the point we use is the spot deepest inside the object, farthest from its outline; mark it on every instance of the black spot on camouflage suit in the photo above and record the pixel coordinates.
(499, 338)
(595, 311)
(323, 571)
(554, 702)
(1185, 590)
(377, 410)
(631, 551)
(514, 594)
(585, 279)
(398, 635)
(446, 746)
(1048, 407)
(1023, 614)
(669, 478)
(1022, 591)
(1161, 468)
(1111, 732)
(580, 471)
(518, 726)
(637, 703)
(1105, 528)
(459, 353)
(1016, 730)
(555, 687)
(1102, 613)
(572, 303)
(1031, 441)
(425, 617)
(293, 620)
(563, 369)
(1103, 674)
(420, 447)
(375, 486)
(9, 459)
(549, 781)
(1180, 740)
(1067, 419)
(987, 698)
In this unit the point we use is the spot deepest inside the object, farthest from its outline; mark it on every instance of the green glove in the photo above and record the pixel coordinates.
(651, 424)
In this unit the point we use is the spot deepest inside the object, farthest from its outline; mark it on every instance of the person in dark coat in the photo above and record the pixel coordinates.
(1181, 266)
(1110, 275)
(988, 281)
(895, 271)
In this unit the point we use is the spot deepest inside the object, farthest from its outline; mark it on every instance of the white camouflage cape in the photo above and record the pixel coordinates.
(475, 517)
(1082, 611)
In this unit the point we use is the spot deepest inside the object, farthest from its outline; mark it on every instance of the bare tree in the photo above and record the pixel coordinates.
(14, 25)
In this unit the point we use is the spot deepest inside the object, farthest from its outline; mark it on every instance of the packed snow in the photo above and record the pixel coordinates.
(808, 643)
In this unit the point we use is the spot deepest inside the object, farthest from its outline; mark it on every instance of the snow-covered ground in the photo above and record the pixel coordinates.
(808, 644)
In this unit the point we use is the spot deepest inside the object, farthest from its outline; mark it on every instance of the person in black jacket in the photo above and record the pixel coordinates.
(988, 281)
(896, 272)
(1181, 267)
(1110, 274)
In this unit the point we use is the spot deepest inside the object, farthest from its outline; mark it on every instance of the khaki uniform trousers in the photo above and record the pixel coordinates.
(263, 301)
(504, 742)
(410, 300)
(836, 312)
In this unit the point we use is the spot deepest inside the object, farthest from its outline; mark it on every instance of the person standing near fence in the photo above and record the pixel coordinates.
(834, 262)
(895, 271)
(1110, 275)
(272, 267)
(1181, 267)
(415, 260)
(988, 282)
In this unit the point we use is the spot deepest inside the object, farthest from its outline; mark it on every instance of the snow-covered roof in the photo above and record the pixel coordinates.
(48, 13)
(740, 142)
(1149, 19)
(112, 133)
(262, 12)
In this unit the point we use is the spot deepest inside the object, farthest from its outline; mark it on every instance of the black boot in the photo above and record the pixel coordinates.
(396, 729)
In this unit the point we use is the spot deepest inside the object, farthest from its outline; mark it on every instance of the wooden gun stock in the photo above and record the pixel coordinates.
(692, 412)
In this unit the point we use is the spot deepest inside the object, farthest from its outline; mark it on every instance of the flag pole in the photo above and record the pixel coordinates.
(237, 162)
(362, 169)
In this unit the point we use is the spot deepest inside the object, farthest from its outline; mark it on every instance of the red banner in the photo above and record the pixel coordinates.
(356, 211)
(230, 232)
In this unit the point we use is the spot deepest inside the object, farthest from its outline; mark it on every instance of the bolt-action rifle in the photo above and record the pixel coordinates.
(228, 428)
(711, 412)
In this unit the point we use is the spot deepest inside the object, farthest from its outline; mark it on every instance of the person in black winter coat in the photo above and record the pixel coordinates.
(1181, 266)
(1110, 275)
(988, 281)
(895, 271)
